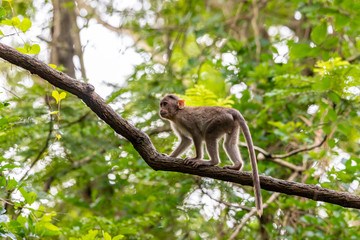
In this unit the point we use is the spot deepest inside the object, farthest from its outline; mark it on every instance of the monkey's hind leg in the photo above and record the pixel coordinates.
(232, 149)
(212, 150)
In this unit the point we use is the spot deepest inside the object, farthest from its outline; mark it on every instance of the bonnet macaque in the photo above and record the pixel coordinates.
(209, 124)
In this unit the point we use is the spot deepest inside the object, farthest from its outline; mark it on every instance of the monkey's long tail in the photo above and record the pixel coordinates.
(255, 173)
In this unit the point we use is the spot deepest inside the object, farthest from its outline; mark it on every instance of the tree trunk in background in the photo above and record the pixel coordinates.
(62, 35)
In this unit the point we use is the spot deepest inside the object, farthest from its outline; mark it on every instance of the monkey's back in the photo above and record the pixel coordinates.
(207, 119)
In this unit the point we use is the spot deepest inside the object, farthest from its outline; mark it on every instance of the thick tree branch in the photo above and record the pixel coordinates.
(145, 148)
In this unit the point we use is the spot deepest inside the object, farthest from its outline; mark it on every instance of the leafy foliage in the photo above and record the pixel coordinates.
(200, 96)
(290, 67)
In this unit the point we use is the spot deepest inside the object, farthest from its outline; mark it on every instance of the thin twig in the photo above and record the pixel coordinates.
(8, 201)
(222, 202)
(41, 152)
(305, 149)
(78, 120)
(253, 211)
(268, 155)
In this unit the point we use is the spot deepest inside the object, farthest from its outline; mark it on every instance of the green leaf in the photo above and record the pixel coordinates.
(345, 129)
(56, 95)
(68, 4)
(274, 49)
(51, 227)
(106, 236)
(327, 128)
(58, 136)
(2, 181)
(35, 49)
(318, 34)
(201, 96)
(62, 95)
(300, 50)
(91, 235)
(331, 42)
(309, 234)
(332, 114)
(15, 21)
(290, 230)
(321, 153)
(11, 184)
(313, 155)
(193, 61)
(2, 12)
(314, 52)
(25, 25)
(331, 143)
(22, 220)
(246, 96)
(323, 84)
(40, 211)
(29, 49)
(340, 21)
(47, 217)
(334, 97)
(29, 197)
(118, 237)
(7, 166)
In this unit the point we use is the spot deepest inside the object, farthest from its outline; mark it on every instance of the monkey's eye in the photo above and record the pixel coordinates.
(164, 104)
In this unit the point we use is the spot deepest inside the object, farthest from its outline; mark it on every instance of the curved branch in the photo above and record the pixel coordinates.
(268, 155)
(146, 149)
(296, 151)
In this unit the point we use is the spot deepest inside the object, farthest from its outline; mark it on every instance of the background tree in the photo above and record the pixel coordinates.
(289, 66)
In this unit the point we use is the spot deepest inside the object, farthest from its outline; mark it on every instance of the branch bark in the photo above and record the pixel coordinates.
(146, 149)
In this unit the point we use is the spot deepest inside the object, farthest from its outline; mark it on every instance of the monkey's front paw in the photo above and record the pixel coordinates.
(192, 162)
(187, 160)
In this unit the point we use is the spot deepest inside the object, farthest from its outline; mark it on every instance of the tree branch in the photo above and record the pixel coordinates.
(267, 155)
(145, 148)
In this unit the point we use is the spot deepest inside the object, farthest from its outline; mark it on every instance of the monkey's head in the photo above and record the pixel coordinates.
(170, 105)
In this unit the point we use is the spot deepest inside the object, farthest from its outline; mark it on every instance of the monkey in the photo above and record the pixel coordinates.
(210, 123)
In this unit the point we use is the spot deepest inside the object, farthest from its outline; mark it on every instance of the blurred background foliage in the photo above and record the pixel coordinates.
(290, 67)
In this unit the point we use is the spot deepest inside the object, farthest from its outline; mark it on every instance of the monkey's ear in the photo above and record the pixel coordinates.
(181, 103)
